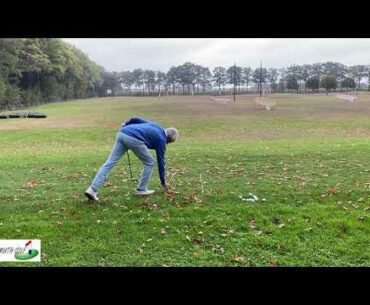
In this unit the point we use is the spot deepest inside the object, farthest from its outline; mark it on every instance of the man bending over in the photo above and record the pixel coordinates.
(137, 135)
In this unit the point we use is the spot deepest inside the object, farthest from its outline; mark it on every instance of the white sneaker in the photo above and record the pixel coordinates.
(144, 193)
(91, 194)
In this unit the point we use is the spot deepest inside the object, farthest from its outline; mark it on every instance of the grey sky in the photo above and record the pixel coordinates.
(161, 54)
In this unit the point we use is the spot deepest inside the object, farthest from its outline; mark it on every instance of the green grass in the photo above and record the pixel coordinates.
(309, 159)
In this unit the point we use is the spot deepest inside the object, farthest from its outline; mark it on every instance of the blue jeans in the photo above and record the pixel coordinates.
(124, 143)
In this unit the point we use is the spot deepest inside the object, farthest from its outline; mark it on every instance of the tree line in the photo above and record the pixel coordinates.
(34, 71)
(191, 78)
(39, 70)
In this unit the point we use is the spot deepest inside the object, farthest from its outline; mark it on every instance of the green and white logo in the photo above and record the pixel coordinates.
(20, 251)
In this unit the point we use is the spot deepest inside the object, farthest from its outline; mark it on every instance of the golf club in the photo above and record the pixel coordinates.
(129, 165)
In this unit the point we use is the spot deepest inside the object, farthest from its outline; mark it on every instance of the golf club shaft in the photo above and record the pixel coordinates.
(129, 164)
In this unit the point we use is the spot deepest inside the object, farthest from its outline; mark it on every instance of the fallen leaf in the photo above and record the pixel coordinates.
(236, 259)
(332, 191)
(196, 241)
(197, 255)
(273, 264)
(252, 224)
(76, 196)
(31, 184)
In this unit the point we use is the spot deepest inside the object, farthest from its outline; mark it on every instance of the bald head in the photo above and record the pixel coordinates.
(172, 135)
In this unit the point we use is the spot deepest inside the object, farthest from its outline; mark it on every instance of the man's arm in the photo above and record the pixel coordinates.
(135, 121)
(161, 151)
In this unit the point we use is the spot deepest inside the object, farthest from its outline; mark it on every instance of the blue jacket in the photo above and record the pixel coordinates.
(153, 136)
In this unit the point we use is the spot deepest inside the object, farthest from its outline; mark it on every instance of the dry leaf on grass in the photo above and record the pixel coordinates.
(197, 255)
(237, 259)
(272, 264)
(76, 196)
(31, 184)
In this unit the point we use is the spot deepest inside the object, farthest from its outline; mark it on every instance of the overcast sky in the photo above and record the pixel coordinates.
(161, 54)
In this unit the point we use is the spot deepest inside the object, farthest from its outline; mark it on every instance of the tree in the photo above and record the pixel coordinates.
(272, 76)
(234, 75)
(81, 75)
(172, 77)
(32, 62)
(348, 83)
(53, 48)
(137, 76)
(10, 72)
(9, 60)
(292, 83)
(2, 93)
(198, 75)
(295, 71)
(367, 70)
(329, 82)
(219, 77)
(247, 76)
(316, 70)
(304, 74)
(282, 84)
(335, 69)
(34, 70)
(358, 72)
(160, 79)
(187, 75)
(111, 81)
(259, 77)
(312, 83)
(205, 78)
(282, 79)
(127, 79)
(149, 79)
